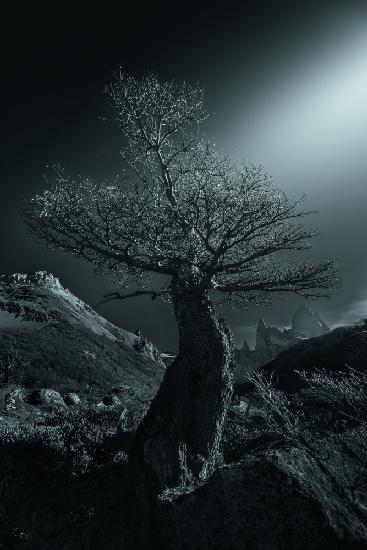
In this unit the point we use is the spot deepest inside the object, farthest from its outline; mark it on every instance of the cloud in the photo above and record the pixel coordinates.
(356, 311)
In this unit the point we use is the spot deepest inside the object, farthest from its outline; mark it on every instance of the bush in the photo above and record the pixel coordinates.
(10, 363)
(346, 391)
(330, 466)
(75, 437)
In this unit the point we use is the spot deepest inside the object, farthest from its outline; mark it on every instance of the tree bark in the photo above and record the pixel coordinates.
(187, 413)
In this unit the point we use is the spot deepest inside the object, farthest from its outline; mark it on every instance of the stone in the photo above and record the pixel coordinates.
(72, 399)
(111, 400)
(46, 396)
(248, 505)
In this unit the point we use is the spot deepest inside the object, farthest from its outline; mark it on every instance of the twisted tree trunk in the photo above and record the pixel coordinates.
(188, 412)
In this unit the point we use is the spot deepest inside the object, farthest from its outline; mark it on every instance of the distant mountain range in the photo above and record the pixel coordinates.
(336, 351)
(270, 341)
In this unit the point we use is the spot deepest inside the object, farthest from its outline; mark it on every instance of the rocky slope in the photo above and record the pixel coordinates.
(49, 338)
(73, 388)
(338, 350)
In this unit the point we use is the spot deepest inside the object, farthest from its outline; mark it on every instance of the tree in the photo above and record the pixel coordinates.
(212, 227)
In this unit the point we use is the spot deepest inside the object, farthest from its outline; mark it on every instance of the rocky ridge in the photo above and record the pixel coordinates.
(270, 341)
(49, 338)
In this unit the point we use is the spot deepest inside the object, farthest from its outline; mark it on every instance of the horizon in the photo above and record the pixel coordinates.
(246, 333)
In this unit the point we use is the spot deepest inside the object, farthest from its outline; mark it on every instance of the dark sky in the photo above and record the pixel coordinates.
(287, 83)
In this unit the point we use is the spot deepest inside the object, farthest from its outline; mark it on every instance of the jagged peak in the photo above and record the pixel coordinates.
(303, 308)
(261, 325)
(304, 319)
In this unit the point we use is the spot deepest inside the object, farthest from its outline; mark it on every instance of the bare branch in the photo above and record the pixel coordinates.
(179, 208)
(118, 296)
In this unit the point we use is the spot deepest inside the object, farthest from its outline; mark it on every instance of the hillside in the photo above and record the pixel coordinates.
(341, 348)
(52, 339)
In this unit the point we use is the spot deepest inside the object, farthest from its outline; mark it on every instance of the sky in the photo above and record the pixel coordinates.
(287, 86)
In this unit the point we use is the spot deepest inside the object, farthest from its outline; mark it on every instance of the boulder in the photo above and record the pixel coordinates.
(72, 399)
(111, 400)
(251, 505)
(46, 396)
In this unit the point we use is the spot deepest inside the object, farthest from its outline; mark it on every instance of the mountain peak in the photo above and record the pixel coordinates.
(304, 309)
(307, 323)
(261, 325)
(271, 340)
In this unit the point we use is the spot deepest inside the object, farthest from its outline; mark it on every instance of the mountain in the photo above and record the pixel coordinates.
(308, 324)
(50, 338)
(270, 341)
(337, 350)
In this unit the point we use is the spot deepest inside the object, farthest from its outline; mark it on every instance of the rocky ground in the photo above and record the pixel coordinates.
(63, 482)
(292, 468)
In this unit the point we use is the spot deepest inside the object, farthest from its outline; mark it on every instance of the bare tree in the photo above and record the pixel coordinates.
(215, 228)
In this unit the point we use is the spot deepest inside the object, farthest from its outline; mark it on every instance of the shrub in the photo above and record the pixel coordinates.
(331, 467)
(346, 391)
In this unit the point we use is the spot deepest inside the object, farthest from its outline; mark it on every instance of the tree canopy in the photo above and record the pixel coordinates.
(179, 207)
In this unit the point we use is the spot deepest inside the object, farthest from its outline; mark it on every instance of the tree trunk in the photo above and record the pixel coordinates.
(187, 415)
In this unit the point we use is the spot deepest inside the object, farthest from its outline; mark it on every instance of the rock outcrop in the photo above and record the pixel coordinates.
(72, 399)
(76, 489)
(245, 360)
(249, 505)
(270, 341)
(39, 299)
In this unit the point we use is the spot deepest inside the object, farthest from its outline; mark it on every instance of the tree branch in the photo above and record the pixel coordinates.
(118, 296)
